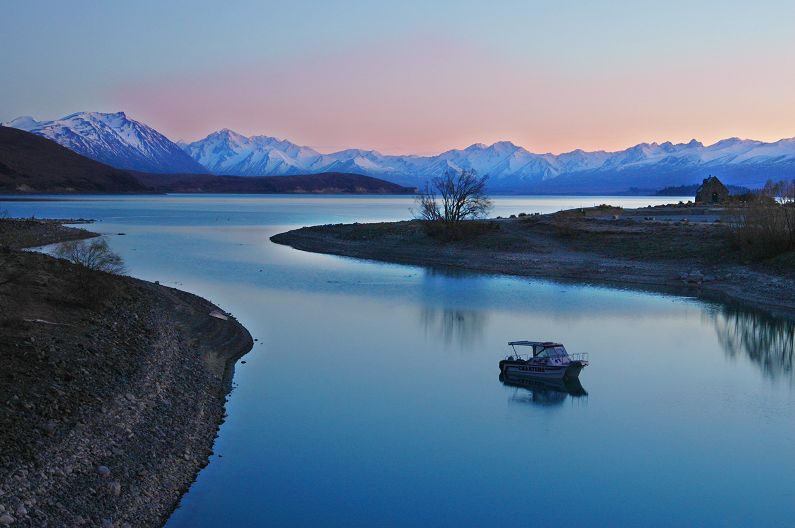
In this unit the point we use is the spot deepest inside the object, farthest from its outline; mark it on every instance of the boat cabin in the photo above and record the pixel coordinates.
(540, 349)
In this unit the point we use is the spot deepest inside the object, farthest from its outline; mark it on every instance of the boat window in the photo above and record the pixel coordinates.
(552, 352)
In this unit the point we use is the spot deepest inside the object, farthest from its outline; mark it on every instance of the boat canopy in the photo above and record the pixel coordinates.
(533, 343)
(544, 349)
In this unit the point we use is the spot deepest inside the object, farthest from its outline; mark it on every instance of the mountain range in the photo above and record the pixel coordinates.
(31, 164)
(125, 143)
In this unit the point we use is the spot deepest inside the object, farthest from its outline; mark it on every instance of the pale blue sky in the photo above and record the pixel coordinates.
(60, 57)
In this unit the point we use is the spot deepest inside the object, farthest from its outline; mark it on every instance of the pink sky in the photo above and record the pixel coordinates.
(427, 95)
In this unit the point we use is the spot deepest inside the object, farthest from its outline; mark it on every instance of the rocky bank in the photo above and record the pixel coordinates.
(108, 408)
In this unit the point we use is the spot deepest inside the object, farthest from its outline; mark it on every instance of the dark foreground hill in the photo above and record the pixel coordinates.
(324, 183)
(33, 164)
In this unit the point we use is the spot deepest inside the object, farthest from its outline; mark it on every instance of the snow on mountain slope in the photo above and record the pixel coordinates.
(113, 139)
(781, 150)
(578, 160)
(25, 123)
(119, 141)
(227, 152)
(509, 166)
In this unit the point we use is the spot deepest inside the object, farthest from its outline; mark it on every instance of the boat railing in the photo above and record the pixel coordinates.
(579, 356)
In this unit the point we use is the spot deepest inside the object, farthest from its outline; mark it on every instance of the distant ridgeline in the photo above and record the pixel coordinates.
(123, 143)
(690, 190)
(323, 183)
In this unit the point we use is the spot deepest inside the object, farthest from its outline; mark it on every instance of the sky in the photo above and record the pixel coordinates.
(411, 76)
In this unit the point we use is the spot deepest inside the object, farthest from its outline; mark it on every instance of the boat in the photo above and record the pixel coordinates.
(546, 360)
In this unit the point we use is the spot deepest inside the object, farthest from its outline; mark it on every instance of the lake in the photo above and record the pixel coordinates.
(372, 397)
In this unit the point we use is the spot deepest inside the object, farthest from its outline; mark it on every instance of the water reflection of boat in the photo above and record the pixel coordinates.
(546, 392)
(547, 360)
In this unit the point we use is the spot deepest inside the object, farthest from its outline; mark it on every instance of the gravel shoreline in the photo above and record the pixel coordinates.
(108, 411)
(585, 250)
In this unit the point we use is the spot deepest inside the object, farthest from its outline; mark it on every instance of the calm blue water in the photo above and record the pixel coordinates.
(372, 397)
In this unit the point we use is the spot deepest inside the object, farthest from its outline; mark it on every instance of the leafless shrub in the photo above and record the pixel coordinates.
(765, 226)
(452, 198)
(94, 255)
(93, 258)
(427, 206)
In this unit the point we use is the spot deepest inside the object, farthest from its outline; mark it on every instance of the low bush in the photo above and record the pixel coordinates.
(764, 226)
(565, 228)
(463, 230)
(94, 260)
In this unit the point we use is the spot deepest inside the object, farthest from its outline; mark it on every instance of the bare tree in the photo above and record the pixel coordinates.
(454, 196)
(428, 209)
(94, 255)
(765, 227)
(93, 259)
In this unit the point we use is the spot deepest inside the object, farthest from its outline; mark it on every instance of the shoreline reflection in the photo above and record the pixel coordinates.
(766, 340)
(463, 328)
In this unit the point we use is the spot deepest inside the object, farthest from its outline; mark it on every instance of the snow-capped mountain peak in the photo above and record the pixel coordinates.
(228, 152)
(114, 139)
(476, 147)
(26, 123)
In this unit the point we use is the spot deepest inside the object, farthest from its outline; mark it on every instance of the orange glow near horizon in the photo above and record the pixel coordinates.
(433, 95)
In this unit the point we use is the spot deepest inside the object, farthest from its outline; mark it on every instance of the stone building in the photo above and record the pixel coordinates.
(712, 191)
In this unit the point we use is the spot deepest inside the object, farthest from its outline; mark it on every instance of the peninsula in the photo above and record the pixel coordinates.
(680, 249)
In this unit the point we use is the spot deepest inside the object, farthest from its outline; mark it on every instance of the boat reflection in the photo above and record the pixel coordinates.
(544, 392)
